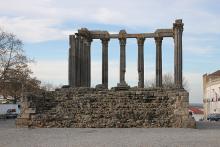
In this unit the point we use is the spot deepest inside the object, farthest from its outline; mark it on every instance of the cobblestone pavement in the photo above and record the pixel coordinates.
(207, 135)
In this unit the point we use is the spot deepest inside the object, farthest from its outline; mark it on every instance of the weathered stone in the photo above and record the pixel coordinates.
(178, 30)
(80, 56)
(140, 42)
(89, 107)
(105, 62)
(122, 41)
(78, 105)
(30, 110)
(158, 41)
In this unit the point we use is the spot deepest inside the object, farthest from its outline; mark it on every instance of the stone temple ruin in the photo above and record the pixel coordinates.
(79, 105)
(80, 55)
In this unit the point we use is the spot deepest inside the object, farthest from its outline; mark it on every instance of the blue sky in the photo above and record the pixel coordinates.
(44, 26)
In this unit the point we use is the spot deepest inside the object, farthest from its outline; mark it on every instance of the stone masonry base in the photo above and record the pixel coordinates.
(99, 108)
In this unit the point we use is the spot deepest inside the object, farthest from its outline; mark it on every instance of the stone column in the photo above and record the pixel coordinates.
(122, 60)
(82, 72)
(105, 62)
(122, 41)
(89, 41)
(158, 41)
(72, 61)
(85, 61)
(78, 58)
(178, 30)
(140, 42)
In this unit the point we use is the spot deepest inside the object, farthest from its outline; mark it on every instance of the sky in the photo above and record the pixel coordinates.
(44, 27)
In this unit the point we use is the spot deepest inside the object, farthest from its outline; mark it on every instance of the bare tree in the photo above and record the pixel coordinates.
(48, 86)
(168, 82)
(14, 71)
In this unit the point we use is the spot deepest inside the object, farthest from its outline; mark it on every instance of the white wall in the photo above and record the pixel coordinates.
(198, 116)
(212, 97)
(5, 107)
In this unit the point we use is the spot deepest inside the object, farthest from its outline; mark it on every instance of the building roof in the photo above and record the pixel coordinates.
(216, 73)
(208, 78)
(195, 110)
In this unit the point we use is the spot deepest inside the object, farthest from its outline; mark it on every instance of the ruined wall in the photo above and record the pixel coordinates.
(89, 107)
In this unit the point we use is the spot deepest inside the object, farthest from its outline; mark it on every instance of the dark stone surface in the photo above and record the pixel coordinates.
(95, 108)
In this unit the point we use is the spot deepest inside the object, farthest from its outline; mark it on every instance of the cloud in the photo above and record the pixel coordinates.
(34, 30)
(42, 17)
(56, 72)
(45, 20)
(200, 50)
(52, 71)
(195, 86)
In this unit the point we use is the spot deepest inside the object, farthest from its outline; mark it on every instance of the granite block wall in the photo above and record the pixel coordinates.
(100, 108)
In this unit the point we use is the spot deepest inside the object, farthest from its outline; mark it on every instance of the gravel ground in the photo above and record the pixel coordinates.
(207, 135)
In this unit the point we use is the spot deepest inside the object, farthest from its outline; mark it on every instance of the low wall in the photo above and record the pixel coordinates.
(99, 108)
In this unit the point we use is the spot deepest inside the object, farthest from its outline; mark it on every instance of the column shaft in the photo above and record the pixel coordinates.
(72, 61)
(140, 62)
(158, 41)
(122, 60)
(178, 29)
(82, 62)
(105, 62)
(85, 61)
(78, 63)
(89, 63)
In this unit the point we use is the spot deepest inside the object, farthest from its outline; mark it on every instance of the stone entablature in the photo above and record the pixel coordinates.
(98, 108)
(80, 55)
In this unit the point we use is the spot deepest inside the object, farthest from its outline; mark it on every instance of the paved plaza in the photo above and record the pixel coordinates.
(207, 135)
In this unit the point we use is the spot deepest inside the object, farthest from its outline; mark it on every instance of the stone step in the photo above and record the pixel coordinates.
(30, 111)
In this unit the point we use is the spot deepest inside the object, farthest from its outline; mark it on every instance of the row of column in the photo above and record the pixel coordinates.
(80, 59)
(177, 29)
(140, 42)
(80, 62)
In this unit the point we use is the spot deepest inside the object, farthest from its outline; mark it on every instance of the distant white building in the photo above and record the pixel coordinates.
(211, 93)
(197, 113)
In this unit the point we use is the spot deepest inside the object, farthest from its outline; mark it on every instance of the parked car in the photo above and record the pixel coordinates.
(9, 110)
(11, 113)
(214, 117)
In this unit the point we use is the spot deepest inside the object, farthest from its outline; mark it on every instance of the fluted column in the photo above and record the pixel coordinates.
(78, 63)
(158, 41)
(72, 61)
(105, 62)
(140, 42)
(89, 41)
(82, 62)
(178, 30)
(87, 62)
(122, 41)
(122, 60)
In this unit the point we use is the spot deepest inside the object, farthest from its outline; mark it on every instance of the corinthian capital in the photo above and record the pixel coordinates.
(178, 24)
(122, 37)
(158, 40)
(122, 41)
(140, 40)
(105, 40)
